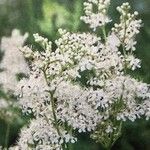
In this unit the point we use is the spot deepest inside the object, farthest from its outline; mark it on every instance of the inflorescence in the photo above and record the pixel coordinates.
(83, 84)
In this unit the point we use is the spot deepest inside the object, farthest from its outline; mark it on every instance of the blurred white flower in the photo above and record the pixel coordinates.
(13, 61)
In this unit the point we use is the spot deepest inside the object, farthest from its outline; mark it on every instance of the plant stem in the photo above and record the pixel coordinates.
(70, 146)
(53, 109)
(52, 105)
(104, 33)
(54, 113)
(108, 148)
(7, 135)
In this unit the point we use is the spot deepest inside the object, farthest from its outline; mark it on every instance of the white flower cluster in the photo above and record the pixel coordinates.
(13, 61)
(128, 27)
(85, 51)
(4, 112)
(96, 13)
(146, 107)
(83, 83)
(129, 94)
(35, 89)
(126, 32)
(77, 106)
(42, 135)
(3, 104)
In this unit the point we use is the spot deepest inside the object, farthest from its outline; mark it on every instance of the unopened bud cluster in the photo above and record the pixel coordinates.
(96, 13)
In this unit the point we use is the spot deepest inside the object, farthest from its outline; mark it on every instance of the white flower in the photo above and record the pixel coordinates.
(113, 40)
(128, 27)
(45, 134)
(35, 89)
(98, 18)
(13, 61)
(146, 108)
(3, 104)
(109, 129)
(126, 92)
(77, 106)
(133, 62)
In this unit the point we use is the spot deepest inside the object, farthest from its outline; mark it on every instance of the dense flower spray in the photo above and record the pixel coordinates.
(13, 61)
(12, 64)
(83, 85)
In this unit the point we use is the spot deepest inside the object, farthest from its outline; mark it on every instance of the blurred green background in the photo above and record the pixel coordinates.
(45, 17)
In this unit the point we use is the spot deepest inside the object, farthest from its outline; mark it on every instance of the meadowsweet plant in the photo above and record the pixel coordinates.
(13, 63)
(83, 85)
(12, 66)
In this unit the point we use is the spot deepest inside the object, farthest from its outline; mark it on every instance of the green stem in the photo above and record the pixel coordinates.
(53, 109)
(54, 114)
(70, 146)
(125, 55)
(104, 33)
(7, 135)
(108, 148)
(52, 106)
